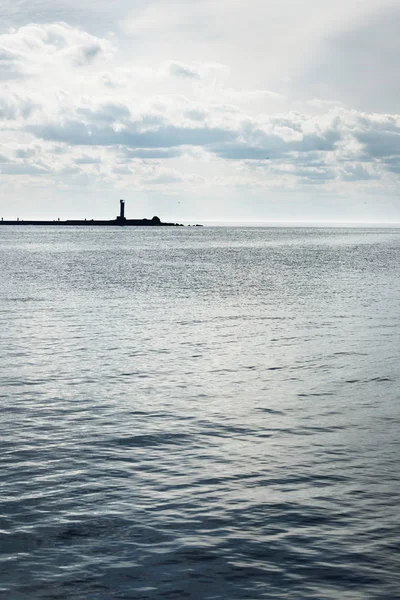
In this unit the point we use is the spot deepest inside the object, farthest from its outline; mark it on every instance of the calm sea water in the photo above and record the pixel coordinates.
(200, 413)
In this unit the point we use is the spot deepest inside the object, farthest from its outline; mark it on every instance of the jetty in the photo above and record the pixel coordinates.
(119, 221)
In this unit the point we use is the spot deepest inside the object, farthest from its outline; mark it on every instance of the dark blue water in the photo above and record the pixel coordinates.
(199, 413)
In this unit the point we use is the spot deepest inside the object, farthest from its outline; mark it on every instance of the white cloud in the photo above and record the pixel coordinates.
(32, 48)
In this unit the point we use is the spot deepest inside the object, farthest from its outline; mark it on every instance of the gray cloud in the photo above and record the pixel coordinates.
(14, 106)
(350, 138)
(87, 160)
(196, 71)
(87, 54)
(180, 70)
(315, 177)
(379, 136)
(164, 136)
(107, 113)
(9, 65)
(392, 164)
(379, 144)
(196, 114)
(152, 136)
(23, 168)
(272, 146)
(238, 151)
(154, 153)
(25, 152)
(357, 172)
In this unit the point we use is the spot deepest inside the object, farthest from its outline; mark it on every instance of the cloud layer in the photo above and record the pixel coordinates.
(80, 112)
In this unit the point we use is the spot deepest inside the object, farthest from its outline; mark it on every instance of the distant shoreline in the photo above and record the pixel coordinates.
(120, 221)
(155, 222)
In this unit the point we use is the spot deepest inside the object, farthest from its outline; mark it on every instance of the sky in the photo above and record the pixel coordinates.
(205, 110)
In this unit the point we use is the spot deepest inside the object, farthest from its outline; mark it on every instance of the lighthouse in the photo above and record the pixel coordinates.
(121, 219)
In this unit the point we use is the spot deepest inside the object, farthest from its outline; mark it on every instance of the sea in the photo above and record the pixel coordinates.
(201, 413)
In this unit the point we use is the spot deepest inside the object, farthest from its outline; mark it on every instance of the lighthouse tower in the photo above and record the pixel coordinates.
(121, 219)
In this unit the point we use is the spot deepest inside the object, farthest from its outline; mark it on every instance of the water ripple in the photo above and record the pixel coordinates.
(199, 414)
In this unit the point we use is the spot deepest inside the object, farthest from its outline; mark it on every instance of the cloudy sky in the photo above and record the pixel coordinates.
(233, 110)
